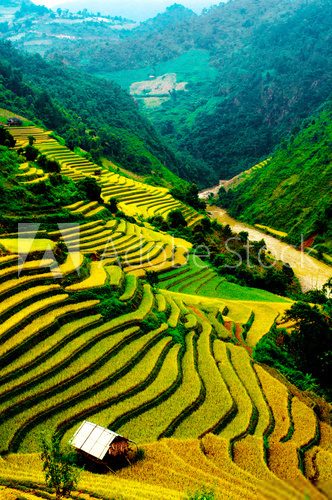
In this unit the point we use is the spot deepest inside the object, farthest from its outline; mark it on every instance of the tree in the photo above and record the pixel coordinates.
(89, 189)
(151, 278)
(31, 140)
(31, 153)
(53, 166)
(227, 231)
(310, 341)
(175, 219)
(243, 236)
(6, 139)
(192, 198)
(113, 205)
(188, 194)
(48, 165)
(60, 474)
(42, 161)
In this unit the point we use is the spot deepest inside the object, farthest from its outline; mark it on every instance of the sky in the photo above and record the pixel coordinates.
(134, 9)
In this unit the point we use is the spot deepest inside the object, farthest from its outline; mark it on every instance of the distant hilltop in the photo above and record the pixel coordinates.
(131, 9)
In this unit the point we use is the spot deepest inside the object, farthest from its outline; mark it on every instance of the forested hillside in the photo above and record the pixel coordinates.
(90, 113)
(258, 96)
(161, 38)
(292, 193)
(265, 93)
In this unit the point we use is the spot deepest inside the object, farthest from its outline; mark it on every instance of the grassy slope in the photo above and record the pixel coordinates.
(292, 193)
(189, 67)
(192, 279)
(179, 114)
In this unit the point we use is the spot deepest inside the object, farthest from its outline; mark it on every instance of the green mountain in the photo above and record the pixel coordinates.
(93, 114)
(292, 192)
(257, 96)
(264, 94)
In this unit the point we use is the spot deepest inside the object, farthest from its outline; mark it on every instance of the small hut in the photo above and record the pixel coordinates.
(100, 444)
(14, 122)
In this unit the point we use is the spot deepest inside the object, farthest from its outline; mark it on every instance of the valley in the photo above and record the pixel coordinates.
(181, 333)
(242, 98)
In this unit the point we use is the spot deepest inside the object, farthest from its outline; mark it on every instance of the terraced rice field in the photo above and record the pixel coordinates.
(256, 307)
(135, 248)
(171, 469)
(167, 365)
(62, 362)
(134, 198)
(21, 134)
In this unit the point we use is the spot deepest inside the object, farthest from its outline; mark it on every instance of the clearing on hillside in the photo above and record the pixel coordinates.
(160, 88)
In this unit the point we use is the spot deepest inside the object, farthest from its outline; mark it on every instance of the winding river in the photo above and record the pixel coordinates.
(311, 272)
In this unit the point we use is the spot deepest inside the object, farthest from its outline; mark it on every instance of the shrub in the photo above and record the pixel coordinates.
(204, 494)
(175, 219)
(111, 308)
(151, 323)
(140, 454)
(158, 222)
(89, 189)
(31, 153)
(178, 334)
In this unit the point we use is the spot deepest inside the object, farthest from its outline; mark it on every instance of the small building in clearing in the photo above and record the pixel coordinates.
(100, 444)
(14, 122)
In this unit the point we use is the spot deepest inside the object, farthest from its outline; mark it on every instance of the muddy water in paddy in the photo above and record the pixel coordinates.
(311, 272)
